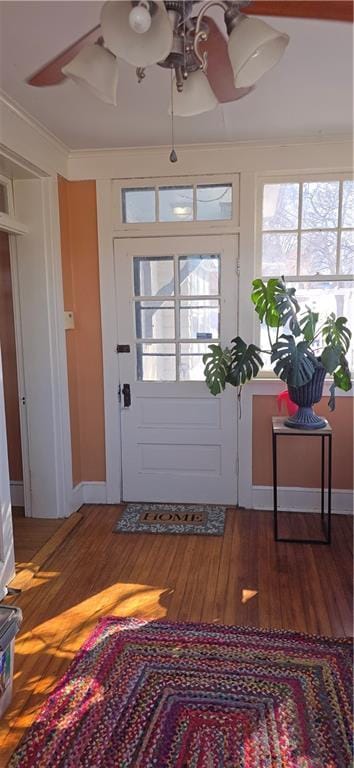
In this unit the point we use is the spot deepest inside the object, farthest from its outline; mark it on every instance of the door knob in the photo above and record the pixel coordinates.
(126, 395)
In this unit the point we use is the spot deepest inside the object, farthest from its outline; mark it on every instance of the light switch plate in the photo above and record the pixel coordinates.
(69, 320)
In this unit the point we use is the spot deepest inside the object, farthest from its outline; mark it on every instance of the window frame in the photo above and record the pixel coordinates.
(176, 298)
(156, 228)
(297, 178)
(7, 183)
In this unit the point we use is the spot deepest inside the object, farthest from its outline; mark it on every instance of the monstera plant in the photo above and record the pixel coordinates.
(302, 352)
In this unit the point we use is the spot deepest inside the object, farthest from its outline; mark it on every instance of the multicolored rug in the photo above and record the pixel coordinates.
(206, 519)
(164, 695)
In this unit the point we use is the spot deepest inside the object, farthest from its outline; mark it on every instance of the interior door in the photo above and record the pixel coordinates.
(7, 558)
(175, 296)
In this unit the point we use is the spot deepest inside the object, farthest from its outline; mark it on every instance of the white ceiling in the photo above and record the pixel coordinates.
(309, 93)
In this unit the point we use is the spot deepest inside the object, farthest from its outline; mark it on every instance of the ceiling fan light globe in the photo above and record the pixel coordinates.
(137, 49)
(254, 47)
(197, 96)
(95, 69)
(140, 19)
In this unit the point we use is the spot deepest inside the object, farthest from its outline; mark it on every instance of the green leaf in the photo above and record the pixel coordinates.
(294, 363)
(264, 301)
(217, 367)
(336, 333)
(330, 358)
(332, 400)
(287, 306)
(341, 377)
(308, 323)
(246, 362)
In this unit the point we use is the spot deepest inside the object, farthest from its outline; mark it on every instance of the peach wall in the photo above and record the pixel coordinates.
(78, 223)
(299, 461)
(8, 351)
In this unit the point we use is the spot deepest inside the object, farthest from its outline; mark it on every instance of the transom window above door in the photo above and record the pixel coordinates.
(177, 314)
(190, 202)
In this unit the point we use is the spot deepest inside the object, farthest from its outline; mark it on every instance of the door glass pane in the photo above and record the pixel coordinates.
(320, 204)
(153, 276)
(347, 252)
(139, 205)
(191, 367)
(214, 202)
(348, 204)
(3, 199)
(175, 203)
(280, 206)
(200, 319)
(156, 362)
(155, 319)
(199, 274)
(318, 253)
(279, 253)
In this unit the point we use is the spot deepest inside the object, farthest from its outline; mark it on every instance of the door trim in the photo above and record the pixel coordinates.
(109, 323)
(20, 378)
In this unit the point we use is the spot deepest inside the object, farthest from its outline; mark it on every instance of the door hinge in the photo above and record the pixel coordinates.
(119, 393)
(238, 268)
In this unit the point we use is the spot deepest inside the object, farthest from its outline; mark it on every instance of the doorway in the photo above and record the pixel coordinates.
(174, 297)
(15, 430)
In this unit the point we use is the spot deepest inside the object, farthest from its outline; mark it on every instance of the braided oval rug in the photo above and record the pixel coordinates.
(168, 695)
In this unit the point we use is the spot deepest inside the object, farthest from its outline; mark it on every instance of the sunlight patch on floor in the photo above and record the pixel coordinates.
(248, 594)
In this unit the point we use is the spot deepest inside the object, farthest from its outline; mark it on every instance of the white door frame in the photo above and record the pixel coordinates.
(14, 229)
(41, 310)
(40, 343)
(107, 232)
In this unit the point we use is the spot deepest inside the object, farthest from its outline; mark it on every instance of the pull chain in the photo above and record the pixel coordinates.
(173, 155)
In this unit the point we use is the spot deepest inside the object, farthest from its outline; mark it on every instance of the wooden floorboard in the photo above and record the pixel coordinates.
(240, 578)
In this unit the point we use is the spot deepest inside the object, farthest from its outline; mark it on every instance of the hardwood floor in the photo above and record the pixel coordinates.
(241, 578)
(30, 535)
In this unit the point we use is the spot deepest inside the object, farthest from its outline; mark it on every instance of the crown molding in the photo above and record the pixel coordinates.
(29, 143)
(225, 146)
(305, 154)
(24, 137)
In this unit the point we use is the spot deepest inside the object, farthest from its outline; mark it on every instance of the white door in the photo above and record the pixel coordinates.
(175, 296)
(7, 558)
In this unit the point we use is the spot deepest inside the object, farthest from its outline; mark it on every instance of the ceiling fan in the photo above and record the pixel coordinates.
(207, 68)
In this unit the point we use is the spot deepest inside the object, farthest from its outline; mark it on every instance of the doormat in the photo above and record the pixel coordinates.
(204, 519)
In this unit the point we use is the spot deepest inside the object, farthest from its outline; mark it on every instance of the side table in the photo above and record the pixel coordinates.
(279, 428)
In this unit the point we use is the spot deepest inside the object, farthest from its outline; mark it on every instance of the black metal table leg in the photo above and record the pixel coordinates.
(275, 486)
(329, 486)
(322, 476)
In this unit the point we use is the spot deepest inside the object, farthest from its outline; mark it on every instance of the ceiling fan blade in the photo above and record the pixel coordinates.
(51, 73)
(219, 71)
(328, 10)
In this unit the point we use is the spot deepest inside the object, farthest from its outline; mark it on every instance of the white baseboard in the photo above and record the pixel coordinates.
(88, 493)
(301, 499)
(17, 494)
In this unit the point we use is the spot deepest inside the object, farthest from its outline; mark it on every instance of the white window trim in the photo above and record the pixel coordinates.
(5, 182)
(296, 179)
(283, 178)
(157, 228)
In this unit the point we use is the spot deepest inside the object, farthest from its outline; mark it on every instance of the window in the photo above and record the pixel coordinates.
(308, 236)
(177, 314)
(201, 202)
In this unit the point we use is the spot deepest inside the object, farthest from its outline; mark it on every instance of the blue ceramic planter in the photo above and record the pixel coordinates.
(305, 397)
